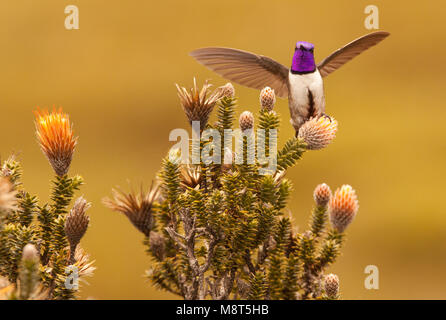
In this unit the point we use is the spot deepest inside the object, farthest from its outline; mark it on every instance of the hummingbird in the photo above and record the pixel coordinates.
(302, 83)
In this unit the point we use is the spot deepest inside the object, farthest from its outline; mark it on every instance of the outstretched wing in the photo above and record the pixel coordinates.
(349, 51)
(246, 68)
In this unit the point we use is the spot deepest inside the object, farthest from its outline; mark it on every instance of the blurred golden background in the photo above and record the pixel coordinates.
(115, 77)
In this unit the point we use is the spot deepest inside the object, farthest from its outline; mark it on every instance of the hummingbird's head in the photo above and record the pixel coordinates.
(303, 59)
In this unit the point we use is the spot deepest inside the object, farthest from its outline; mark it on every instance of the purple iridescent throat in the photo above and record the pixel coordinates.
(303, 59)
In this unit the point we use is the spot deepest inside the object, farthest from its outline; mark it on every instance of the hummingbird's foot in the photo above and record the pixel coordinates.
(327, 116)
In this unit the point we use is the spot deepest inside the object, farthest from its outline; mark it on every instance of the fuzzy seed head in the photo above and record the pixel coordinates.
(343, 207)
(8, 200)
(246, 120)
(136, 206)
(318, 133)
(227, 90)
(56, 139)
(198, 104)
(331, 285)
(267, 99)
(322, 195)
(77, 221)
(30, 253)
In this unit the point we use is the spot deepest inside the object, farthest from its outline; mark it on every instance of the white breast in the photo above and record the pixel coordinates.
(298, 99)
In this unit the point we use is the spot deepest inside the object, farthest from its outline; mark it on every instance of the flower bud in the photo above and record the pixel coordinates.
(342, 208)
(267, 99)
(246, 120)
(322, 195)
(227, 90)
(317, 133)
(30, 253)
(8, 200)
(76, 222)
(331, 286)
(28, 272)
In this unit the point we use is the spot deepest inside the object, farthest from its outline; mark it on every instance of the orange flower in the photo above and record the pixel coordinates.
(343, 207)
(56, 139)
